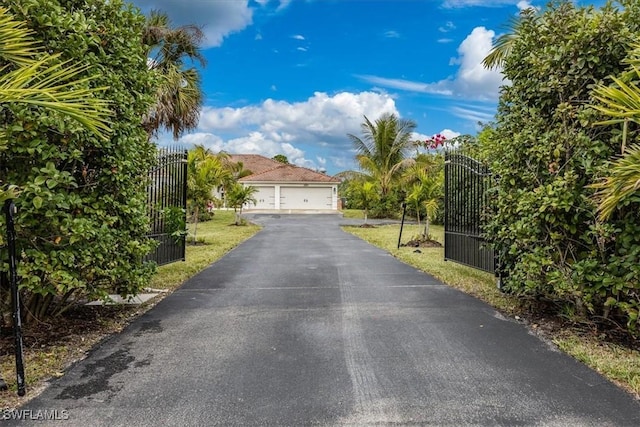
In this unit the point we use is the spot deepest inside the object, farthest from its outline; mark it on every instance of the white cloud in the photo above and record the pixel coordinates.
(283, 5)
(217, 18)
(298, 37)
(473, 114)
(408, 85)
(448, 26)
(262, 2)
(449, 134)
(445, 40)
(472, 80)
(392, 34)
(525, 4)
(319, 124)
(302, 49)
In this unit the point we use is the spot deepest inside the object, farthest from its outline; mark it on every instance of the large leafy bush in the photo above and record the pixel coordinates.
(82, 207)
(545, 150)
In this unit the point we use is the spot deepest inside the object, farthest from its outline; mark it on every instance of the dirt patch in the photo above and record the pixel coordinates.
(50, 347)
(422, 243)
(367, 226)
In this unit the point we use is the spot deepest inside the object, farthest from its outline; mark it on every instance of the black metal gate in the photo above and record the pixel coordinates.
(167, 200)
(466, 185)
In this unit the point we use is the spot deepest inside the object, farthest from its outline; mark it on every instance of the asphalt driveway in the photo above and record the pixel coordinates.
(307, 325)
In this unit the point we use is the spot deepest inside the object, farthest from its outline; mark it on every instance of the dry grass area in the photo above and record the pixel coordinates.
(614, 356)
(53, 346)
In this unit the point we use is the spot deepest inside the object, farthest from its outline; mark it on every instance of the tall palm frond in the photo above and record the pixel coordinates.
(179, 95)
(16, 43)
(505, 42)
(382, 149)
(621, 102)
(56, 87)
(41, 79)
(623, 181)
(169, 46)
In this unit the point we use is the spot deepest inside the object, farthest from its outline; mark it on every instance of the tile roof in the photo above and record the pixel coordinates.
(269, 170)
(255, 163)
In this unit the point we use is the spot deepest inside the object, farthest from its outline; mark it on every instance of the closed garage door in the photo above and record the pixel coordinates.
(305, 198)
(265, 198)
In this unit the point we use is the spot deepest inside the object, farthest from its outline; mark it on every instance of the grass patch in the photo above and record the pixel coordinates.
(618, 363)
(51, 347)
(353, 214)
(431, 260)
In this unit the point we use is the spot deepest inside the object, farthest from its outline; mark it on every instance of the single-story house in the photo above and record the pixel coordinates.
(287, 187)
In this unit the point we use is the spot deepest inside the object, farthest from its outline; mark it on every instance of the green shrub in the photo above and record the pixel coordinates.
(545, 150)
(82, 210)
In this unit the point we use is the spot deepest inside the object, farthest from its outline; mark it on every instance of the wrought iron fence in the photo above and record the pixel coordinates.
(167, 203)
(466, 183)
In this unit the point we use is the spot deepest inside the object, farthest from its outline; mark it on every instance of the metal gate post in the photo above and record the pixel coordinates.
(404, 212)
(10, 210)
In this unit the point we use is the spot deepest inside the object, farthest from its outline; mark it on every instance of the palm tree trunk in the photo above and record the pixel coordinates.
(196, 214)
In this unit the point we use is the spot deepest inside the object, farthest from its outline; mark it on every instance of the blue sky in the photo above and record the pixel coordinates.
(293, 77)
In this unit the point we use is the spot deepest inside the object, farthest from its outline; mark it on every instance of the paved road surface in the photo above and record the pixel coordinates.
(307, 325)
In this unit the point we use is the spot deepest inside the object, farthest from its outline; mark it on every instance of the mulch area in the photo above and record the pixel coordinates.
(422, 243)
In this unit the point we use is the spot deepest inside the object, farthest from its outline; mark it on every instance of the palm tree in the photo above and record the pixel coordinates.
(29, 75)
(621, 102)
(503, 46)
(179, 95)
(238, 196)
(205, 171)
(426, 190)
(504, 43)
(382, 149)
(366, 195)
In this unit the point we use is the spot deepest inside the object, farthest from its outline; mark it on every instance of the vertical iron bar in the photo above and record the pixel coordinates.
(184, 200)
(10, 210)
(446, 200)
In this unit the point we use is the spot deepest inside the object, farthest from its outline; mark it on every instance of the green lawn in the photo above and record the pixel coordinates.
(431, 260)
(618, 363)
(353, 213)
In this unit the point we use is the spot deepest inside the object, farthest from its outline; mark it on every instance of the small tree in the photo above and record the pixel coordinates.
(205, 171)
(238, 196)
(425, 178)
(281, 158)
(366, 196)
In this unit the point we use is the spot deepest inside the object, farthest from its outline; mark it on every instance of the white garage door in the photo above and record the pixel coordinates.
(265, 198)
(305, 197)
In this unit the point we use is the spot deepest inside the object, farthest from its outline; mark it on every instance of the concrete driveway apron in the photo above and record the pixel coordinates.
(307, 325)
